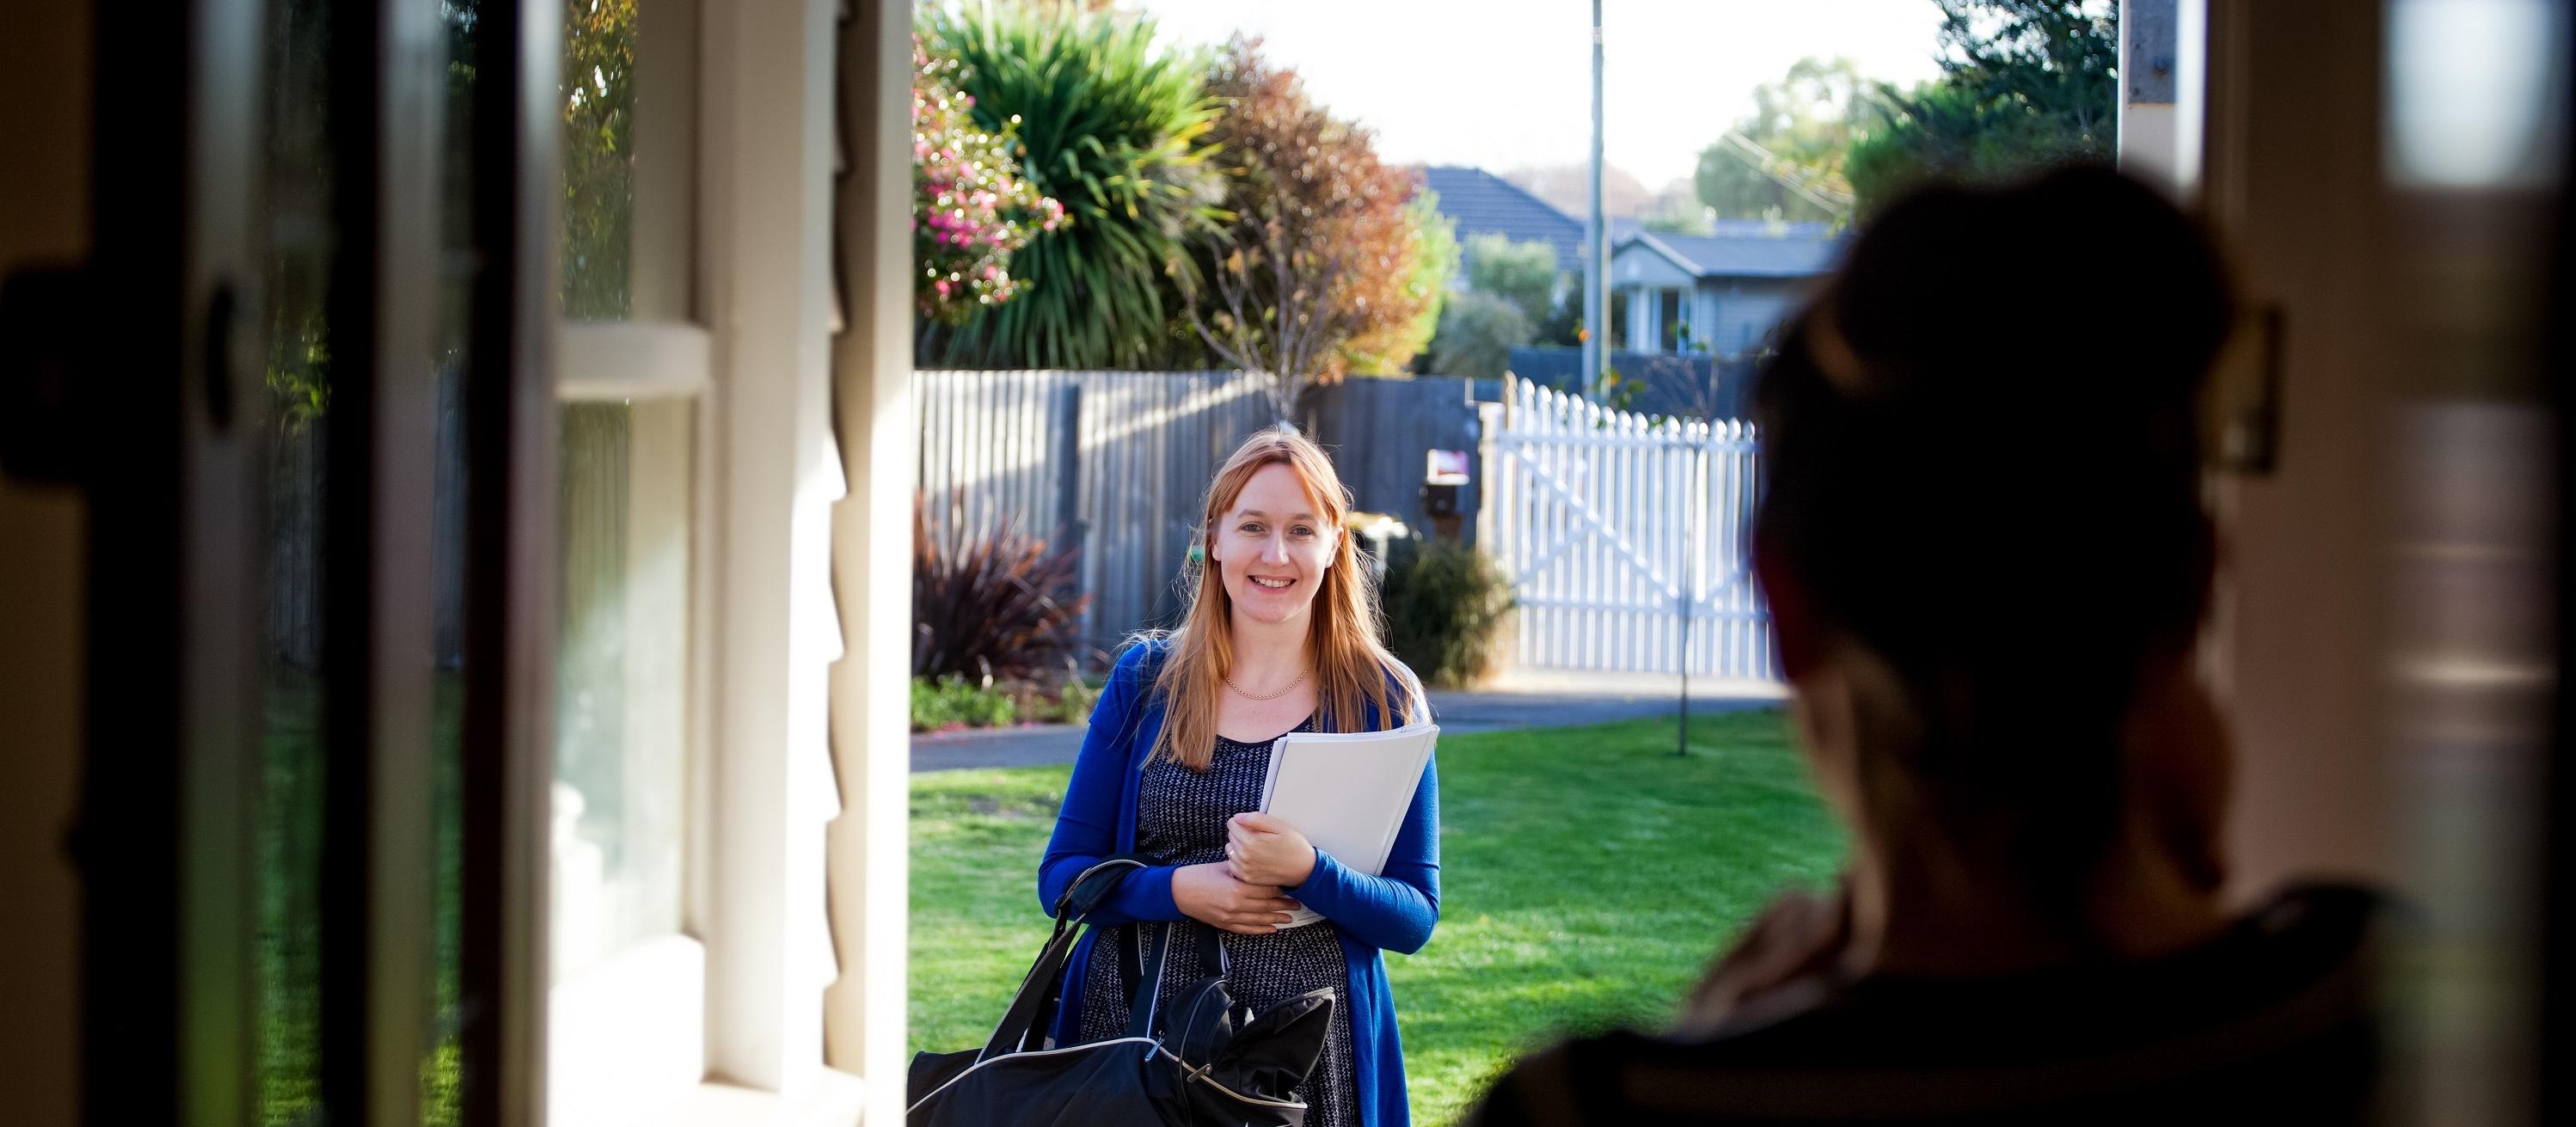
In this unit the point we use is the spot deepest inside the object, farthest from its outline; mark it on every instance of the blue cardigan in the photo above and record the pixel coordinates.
(1394, 912)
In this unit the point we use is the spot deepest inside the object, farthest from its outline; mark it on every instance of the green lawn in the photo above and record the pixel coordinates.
(1586, 873)
(289, 970)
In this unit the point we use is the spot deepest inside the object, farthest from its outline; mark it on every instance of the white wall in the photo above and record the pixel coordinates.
(2301, 624)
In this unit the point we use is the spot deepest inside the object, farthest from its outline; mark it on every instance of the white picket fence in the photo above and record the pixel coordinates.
(1625, 538)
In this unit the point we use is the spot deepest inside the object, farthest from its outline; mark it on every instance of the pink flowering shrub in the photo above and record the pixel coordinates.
(970, 208)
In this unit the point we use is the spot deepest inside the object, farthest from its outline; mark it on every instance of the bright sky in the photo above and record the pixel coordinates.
(1506, 83)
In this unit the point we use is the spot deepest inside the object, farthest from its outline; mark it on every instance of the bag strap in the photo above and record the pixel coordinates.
(1094, 885)
(1141, 1003)
(1033, 1009)
(1212, 960)
(1148, 993)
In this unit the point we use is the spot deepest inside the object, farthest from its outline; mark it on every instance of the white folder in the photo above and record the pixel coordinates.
(1347, 791)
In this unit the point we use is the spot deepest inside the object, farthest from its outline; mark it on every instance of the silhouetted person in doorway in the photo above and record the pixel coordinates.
(1987, 564)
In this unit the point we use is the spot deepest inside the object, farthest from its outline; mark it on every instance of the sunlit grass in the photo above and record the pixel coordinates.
(289, 1053)
(1587, 876)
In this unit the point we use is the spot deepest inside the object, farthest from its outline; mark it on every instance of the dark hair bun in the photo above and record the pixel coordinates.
(2080, 283)
(1980, 441)
(1982, 464)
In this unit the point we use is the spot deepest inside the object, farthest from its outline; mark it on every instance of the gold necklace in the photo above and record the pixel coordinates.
(1238, 689)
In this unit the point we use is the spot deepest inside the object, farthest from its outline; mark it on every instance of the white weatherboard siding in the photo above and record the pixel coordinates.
(1742, 310)
(1726, 313)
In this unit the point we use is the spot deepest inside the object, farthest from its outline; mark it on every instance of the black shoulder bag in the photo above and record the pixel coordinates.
(1213, 1065)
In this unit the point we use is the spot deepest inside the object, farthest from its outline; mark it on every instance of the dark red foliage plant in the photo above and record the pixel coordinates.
(1001, 606)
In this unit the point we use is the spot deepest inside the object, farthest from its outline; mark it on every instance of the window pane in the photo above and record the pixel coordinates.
(297, 278)
(599, 158)
(622, 678)
(442, 1080)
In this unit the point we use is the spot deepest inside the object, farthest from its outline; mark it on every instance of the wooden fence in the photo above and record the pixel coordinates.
(297, 457)
(1625, 537)
(298, 514)
(1113, 463)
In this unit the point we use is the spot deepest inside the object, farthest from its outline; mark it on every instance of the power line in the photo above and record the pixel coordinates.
(1788, 174)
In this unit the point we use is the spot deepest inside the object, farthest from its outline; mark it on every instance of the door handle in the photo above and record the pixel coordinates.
(52, 407)
(47, 388)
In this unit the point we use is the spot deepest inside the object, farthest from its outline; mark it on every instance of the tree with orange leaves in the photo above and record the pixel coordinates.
(1318, 266)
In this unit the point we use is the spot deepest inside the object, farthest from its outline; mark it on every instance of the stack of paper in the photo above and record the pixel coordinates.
(1347, 791)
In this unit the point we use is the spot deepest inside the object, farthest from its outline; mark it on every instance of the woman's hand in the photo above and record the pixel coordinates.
(1208, 894)
(1260, 849)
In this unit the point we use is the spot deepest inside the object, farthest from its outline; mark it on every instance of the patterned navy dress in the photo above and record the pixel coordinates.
(1181, 820)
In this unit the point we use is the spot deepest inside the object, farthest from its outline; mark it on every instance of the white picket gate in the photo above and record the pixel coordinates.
(1624, 538)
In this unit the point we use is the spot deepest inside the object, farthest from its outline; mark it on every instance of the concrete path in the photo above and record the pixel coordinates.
(1459, 712)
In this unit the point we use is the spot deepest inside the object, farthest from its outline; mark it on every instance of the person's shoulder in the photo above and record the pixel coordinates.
(1142, 658)
(1539, 1091)
(2312, 929)
(1584, 1081)
(1141, 650)
(2282, 996)
(2336, 906)
(1405, 695)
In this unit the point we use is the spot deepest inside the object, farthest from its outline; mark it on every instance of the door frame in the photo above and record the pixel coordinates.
(167, 309)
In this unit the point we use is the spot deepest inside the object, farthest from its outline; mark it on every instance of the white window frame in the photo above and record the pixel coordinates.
(731, 300)
(725, 1023)
(765, 179)
(627, 1039)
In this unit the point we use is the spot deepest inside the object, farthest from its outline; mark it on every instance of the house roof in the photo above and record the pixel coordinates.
(1747, 249)
(1485, 204)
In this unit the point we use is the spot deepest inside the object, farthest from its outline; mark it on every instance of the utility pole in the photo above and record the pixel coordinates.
(1596, 246)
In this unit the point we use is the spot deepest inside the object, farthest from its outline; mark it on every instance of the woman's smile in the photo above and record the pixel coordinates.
(1270, 543)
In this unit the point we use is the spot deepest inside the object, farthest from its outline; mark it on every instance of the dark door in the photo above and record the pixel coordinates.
(296, 384)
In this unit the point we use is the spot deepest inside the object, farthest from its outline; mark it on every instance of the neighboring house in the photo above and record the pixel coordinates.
(1485, 204)
(1718, 293)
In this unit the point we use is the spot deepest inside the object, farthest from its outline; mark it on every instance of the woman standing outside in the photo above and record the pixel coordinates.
(1282, 635)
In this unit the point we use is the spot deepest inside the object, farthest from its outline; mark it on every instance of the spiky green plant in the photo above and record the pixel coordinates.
(1114, 127)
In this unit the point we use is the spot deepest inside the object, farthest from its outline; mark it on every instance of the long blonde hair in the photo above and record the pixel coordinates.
(1354, 672)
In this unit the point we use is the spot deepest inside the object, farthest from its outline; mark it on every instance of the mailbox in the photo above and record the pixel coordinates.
(1444, 474)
